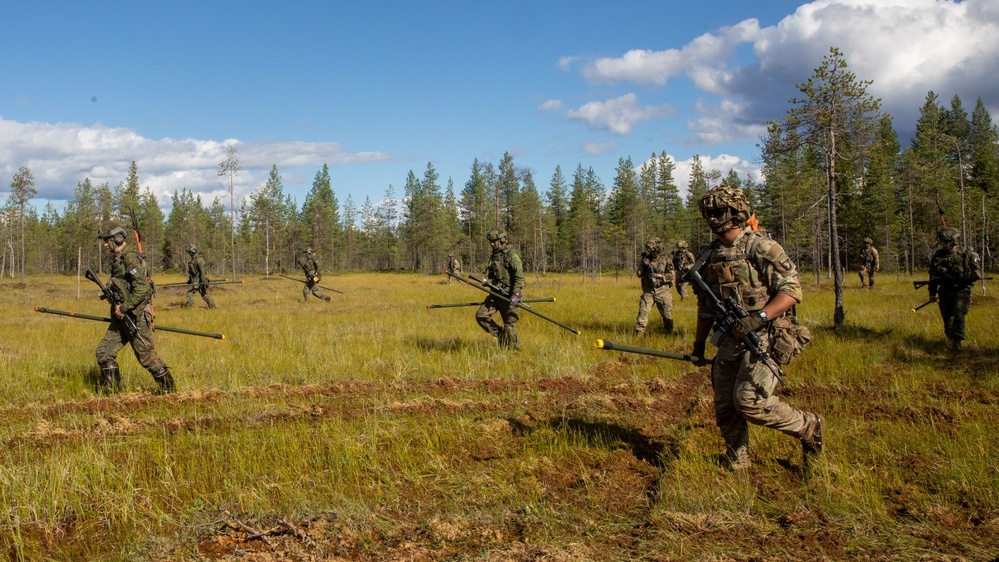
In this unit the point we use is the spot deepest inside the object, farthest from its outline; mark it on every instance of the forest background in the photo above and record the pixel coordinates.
(835, 173)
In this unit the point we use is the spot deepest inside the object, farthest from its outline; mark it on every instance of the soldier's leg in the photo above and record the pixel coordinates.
(733, 426)
(948, 311)
(644, 304)
(484, 317)
(509, 337)
(305, 292)
(208, 298)
(189, 300)
(961, 306)
(664, 302)
(107, 354)
(870, 279)
(145, 353)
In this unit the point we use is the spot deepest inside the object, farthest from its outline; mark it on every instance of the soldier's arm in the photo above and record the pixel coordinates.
(135, 275)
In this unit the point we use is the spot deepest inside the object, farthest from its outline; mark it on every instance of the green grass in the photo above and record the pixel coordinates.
(384, 430)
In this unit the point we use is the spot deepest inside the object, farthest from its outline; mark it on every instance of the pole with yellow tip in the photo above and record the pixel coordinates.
(611, 346)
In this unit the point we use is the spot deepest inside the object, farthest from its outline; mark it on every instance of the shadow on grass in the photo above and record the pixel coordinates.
(430, 344)
(654, 453)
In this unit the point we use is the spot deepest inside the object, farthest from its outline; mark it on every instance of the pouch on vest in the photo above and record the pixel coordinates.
(787, 339)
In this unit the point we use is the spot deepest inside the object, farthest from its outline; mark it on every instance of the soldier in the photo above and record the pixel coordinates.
(507, 272)
(197, 278)
(682, 260)
(656, 272)
(748, 266)
(128, 279)
(453, 265)
(953, 270)
(870, 263)
(311, 268)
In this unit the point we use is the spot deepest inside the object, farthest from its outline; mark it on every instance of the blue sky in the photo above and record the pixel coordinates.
(376, 89)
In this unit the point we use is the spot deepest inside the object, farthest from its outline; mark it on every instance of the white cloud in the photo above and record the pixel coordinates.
(550, 105)
(618, 115)
(64, 154)
(598, 148)
(721, 162)
(906, 47)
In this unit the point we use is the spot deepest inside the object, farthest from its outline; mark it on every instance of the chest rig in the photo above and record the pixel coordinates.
(499, 268)
(734, 272)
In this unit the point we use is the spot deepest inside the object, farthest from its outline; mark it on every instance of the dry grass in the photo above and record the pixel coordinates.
(372, 428)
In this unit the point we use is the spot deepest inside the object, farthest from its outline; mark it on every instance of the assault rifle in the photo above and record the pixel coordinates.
(314, 280)
(726, 314)
(959, 282)
(114, 299)
(501, 294)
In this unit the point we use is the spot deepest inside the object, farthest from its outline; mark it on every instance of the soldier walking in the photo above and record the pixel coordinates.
(753, 269)
(128, 279)
(870, 264)
(453, 265)
(310, 266)
(657, 275)
(197, 278)
(506, 271)
(953, 271)
(683, 259)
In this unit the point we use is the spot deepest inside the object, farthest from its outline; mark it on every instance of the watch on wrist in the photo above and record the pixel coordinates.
(762, 314)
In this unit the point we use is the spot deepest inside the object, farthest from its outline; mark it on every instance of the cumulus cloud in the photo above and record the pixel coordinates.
(906, 47)
(618, 115)
(64, 154)
(550, 105)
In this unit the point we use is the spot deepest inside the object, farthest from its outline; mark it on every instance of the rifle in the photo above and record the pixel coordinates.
(306, 283)
(102, 319)
(952, 281)
(114, 299)
(498, 293)
(223, 282)
(931, 301)
(601, 344)
(452, 305)
(726, 314)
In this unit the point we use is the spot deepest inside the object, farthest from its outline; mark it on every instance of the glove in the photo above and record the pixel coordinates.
(699, 353)
(514, 299)
(746, 325)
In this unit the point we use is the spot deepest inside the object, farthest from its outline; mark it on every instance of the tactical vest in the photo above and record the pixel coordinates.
(128, 279)
(730, 272)
(499, 267)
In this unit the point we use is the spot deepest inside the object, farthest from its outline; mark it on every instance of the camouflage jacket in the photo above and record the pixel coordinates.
(128, 278)
(656, 272)
(196, 271)
(682, 260)
(869, 258)
(506, 270)
(752, 270)
(956, 263)
(311, 268)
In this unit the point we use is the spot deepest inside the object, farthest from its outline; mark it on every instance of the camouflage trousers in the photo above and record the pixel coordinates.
(142, 344)
(313, 288)
(203, 291)
(506, 334)
(867, 276)
(744, 393)
(681, 289)
(662, 298)
(953, 308)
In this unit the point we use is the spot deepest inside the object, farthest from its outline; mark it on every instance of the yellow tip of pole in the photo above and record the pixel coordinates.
(912, 309)
(553, 299)
(599, 344)
(223, 336)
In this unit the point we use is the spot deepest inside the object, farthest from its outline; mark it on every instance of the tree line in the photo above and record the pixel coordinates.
(835, 173)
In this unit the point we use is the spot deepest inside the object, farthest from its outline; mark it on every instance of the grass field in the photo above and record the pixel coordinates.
(372, 428)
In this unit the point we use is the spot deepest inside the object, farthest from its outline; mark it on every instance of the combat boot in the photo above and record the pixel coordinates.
(165, 381)
(736, 459)
(328, 298)
(110, 378)
(508, 338)
(956, 345)
(668, 326)
(811, 442)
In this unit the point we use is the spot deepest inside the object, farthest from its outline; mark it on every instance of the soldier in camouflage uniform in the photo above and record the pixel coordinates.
(310, 266)
(656, 272)
(750, 267)
(870, 263)
(507, 272)
(453, 265)
(953, 270)
(128, 279)
(682, 260)
(197, 278)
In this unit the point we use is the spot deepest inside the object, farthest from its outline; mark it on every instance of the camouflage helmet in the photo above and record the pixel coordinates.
(496, 234)
(868, 240)
(114, 230)
(723, 205)
(681, 244)
(450, 254)
(654, 245)
(309, 251)
(949, 234)
(192, 250)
